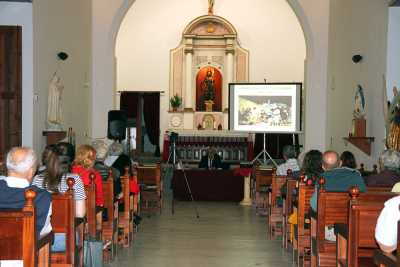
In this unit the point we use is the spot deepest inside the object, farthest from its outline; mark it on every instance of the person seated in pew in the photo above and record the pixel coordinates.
(386, 226)
(289, 155)
(101, 153)
(348, 160)
(389, 175)
(21, 165)
(67, 152)
(52, 178)
(337, 177)
(211, 160)
(83, 166)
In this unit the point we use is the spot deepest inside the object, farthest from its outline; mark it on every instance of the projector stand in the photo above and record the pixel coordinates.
(263, 155)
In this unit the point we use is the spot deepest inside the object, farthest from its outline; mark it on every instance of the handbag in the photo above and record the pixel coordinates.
(92, 253)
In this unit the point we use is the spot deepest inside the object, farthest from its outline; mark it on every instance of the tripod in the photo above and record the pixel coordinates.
(264, 153)
(176, 162)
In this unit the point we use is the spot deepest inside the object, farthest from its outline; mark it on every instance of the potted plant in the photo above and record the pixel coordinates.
(176, 102)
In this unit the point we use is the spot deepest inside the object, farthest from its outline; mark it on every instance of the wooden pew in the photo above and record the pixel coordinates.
(262, 178)
(110, 227)
(382, 259)
(125, 216)
(332, 208)
(63, 221)
(301, 237)
(93, 214)
(151, 195)
(274, 210)
(355, 241)
(287, 211)
(18, 239)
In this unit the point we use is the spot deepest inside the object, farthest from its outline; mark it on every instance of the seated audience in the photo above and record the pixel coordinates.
(386, 226)
(312, 165)
(289, 155)
(101, 152)
(67, 152)
(83, 166)
(51, 178)
(347, 160)
(211, 160)
(21, 166)
(389, 175)
(337, 178)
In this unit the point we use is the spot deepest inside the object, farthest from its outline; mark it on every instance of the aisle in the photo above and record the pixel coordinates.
(225, 235)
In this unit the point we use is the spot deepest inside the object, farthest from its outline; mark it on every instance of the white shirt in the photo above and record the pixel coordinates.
(22, 183)
(386, 226)
(289, 164)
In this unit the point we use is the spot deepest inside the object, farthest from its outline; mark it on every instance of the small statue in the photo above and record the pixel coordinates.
(359, 103)
(54, 108)
(210, 7)
(392, 117)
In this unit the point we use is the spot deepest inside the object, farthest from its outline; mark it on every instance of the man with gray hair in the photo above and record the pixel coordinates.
(21, 167)
(389, 175)
(289, 155)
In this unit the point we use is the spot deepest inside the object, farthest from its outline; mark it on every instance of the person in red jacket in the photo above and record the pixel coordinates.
(83, 166)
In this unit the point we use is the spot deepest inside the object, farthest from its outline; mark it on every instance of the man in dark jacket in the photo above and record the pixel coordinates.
(21, 166)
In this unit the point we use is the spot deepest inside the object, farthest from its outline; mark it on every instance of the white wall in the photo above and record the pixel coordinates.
(20, 14)
(356, 27)
(393, 50)
(273, 36)
(63, 25)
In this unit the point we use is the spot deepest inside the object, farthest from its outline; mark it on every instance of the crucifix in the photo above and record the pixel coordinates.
(210, 7)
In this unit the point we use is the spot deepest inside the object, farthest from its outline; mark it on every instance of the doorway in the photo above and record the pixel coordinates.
(10, 88)
(143, 112)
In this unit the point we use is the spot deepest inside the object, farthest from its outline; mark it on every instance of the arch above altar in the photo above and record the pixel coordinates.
(208, 58)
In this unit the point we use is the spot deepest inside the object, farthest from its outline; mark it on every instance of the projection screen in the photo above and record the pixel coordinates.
(265, 107)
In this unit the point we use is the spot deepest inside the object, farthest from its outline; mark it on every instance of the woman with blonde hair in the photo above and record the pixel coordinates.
(83, 166)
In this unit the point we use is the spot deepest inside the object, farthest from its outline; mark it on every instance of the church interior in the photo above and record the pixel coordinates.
(199, 133)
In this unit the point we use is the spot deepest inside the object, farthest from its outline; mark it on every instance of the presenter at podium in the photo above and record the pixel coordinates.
(211, 160)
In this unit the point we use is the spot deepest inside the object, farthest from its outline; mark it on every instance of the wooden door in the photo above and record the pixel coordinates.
(10, 88)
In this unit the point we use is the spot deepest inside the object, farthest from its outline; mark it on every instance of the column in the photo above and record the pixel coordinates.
(228, 78)
(188, 79)
(246, 194)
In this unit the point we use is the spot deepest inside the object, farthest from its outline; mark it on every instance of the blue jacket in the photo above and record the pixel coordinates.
(14, 198)
(339, 180)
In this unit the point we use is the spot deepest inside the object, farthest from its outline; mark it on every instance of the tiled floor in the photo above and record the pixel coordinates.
(226, 234)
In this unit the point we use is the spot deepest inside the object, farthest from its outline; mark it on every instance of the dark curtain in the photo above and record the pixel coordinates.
(151, 111)
(128, 103)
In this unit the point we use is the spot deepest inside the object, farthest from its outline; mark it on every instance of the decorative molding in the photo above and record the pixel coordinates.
(209, 25)
(26, 1)
(218, 59)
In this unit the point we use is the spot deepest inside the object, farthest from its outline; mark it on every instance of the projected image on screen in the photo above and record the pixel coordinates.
(265, 107)
(265, 111)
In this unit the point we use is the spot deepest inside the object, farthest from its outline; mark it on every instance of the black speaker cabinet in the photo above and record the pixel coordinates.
(117, 120)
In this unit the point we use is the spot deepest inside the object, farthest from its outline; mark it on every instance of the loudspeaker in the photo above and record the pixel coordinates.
(116, 125)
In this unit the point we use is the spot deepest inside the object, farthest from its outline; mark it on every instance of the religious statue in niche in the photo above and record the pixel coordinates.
(392, 117)
(359, 122)
(54, 108)
(208, 89)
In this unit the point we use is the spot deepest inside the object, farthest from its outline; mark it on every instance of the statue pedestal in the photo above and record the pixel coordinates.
(53, 137)
(246, 199)
(359, 127)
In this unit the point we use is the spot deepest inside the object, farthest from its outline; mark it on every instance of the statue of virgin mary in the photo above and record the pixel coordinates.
(54, 108)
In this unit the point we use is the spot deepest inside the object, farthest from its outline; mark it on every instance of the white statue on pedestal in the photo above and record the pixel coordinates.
(54, 104)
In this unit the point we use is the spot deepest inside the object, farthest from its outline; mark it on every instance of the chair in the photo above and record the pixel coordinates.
(151, 194)
(18, 239)
(125, 216)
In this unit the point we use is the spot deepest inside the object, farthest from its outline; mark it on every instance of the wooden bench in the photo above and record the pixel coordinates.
(301, 237)
(287, 211)
(125, 216)
(274, 209)
(63, 221)
(110, 226)
(262, 179)
(382, 259)
(149, 177)
(18, 239)
(93, 214)
(332, 208)
(355, 241)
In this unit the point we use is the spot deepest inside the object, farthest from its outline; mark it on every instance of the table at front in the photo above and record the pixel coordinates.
(208, 185)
